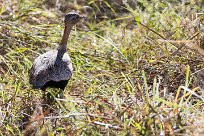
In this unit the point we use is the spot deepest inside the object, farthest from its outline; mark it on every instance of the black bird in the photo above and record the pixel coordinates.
(54, 68)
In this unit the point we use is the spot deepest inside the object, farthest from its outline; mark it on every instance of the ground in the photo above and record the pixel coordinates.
(138, 68)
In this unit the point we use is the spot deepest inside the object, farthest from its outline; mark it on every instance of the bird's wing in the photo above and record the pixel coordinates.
(50, 66)
(40, 68)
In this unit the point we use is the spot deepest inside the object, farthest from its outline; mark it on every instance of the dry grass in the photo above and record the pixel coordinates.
(134, 73)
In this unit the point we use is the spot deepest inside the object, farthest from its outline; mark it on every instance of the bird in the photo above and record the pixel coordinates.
(54, 68)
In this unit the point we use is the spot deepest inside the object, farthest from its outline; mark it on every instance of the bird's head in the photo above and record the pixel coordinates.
(72, 18)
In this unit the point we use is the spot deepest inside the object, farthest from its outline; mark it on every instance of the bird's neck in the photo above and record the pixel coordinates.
(63, 44)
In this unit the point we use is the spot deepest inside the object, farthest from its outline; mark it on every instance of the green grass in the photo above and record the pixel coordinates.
(129, 78)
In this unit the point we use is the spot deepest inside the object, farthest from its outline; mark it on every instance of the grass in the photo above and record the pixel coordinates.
(134, 74)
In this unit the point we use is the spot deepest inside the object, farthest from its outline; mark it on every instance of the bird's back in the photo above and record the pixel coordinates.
(54, 65)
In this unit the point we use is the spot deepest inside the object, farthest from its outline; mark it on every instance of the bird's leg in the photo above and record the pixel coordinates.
(61, 94)
(44, 93)
(45, 100)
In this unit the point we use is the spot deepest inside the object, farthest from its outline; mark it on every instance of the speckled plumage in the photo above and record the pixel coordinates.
(54, 65)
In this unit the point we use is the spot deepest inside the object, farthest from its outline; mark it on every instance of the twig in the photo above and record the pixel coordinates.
(126, 109)
(107, 125)
(174, 53)
(192, 92)
(75, 114)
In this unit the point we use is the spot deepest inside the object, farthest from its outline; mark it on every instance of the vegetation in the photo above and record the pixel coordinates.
(136, 68)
